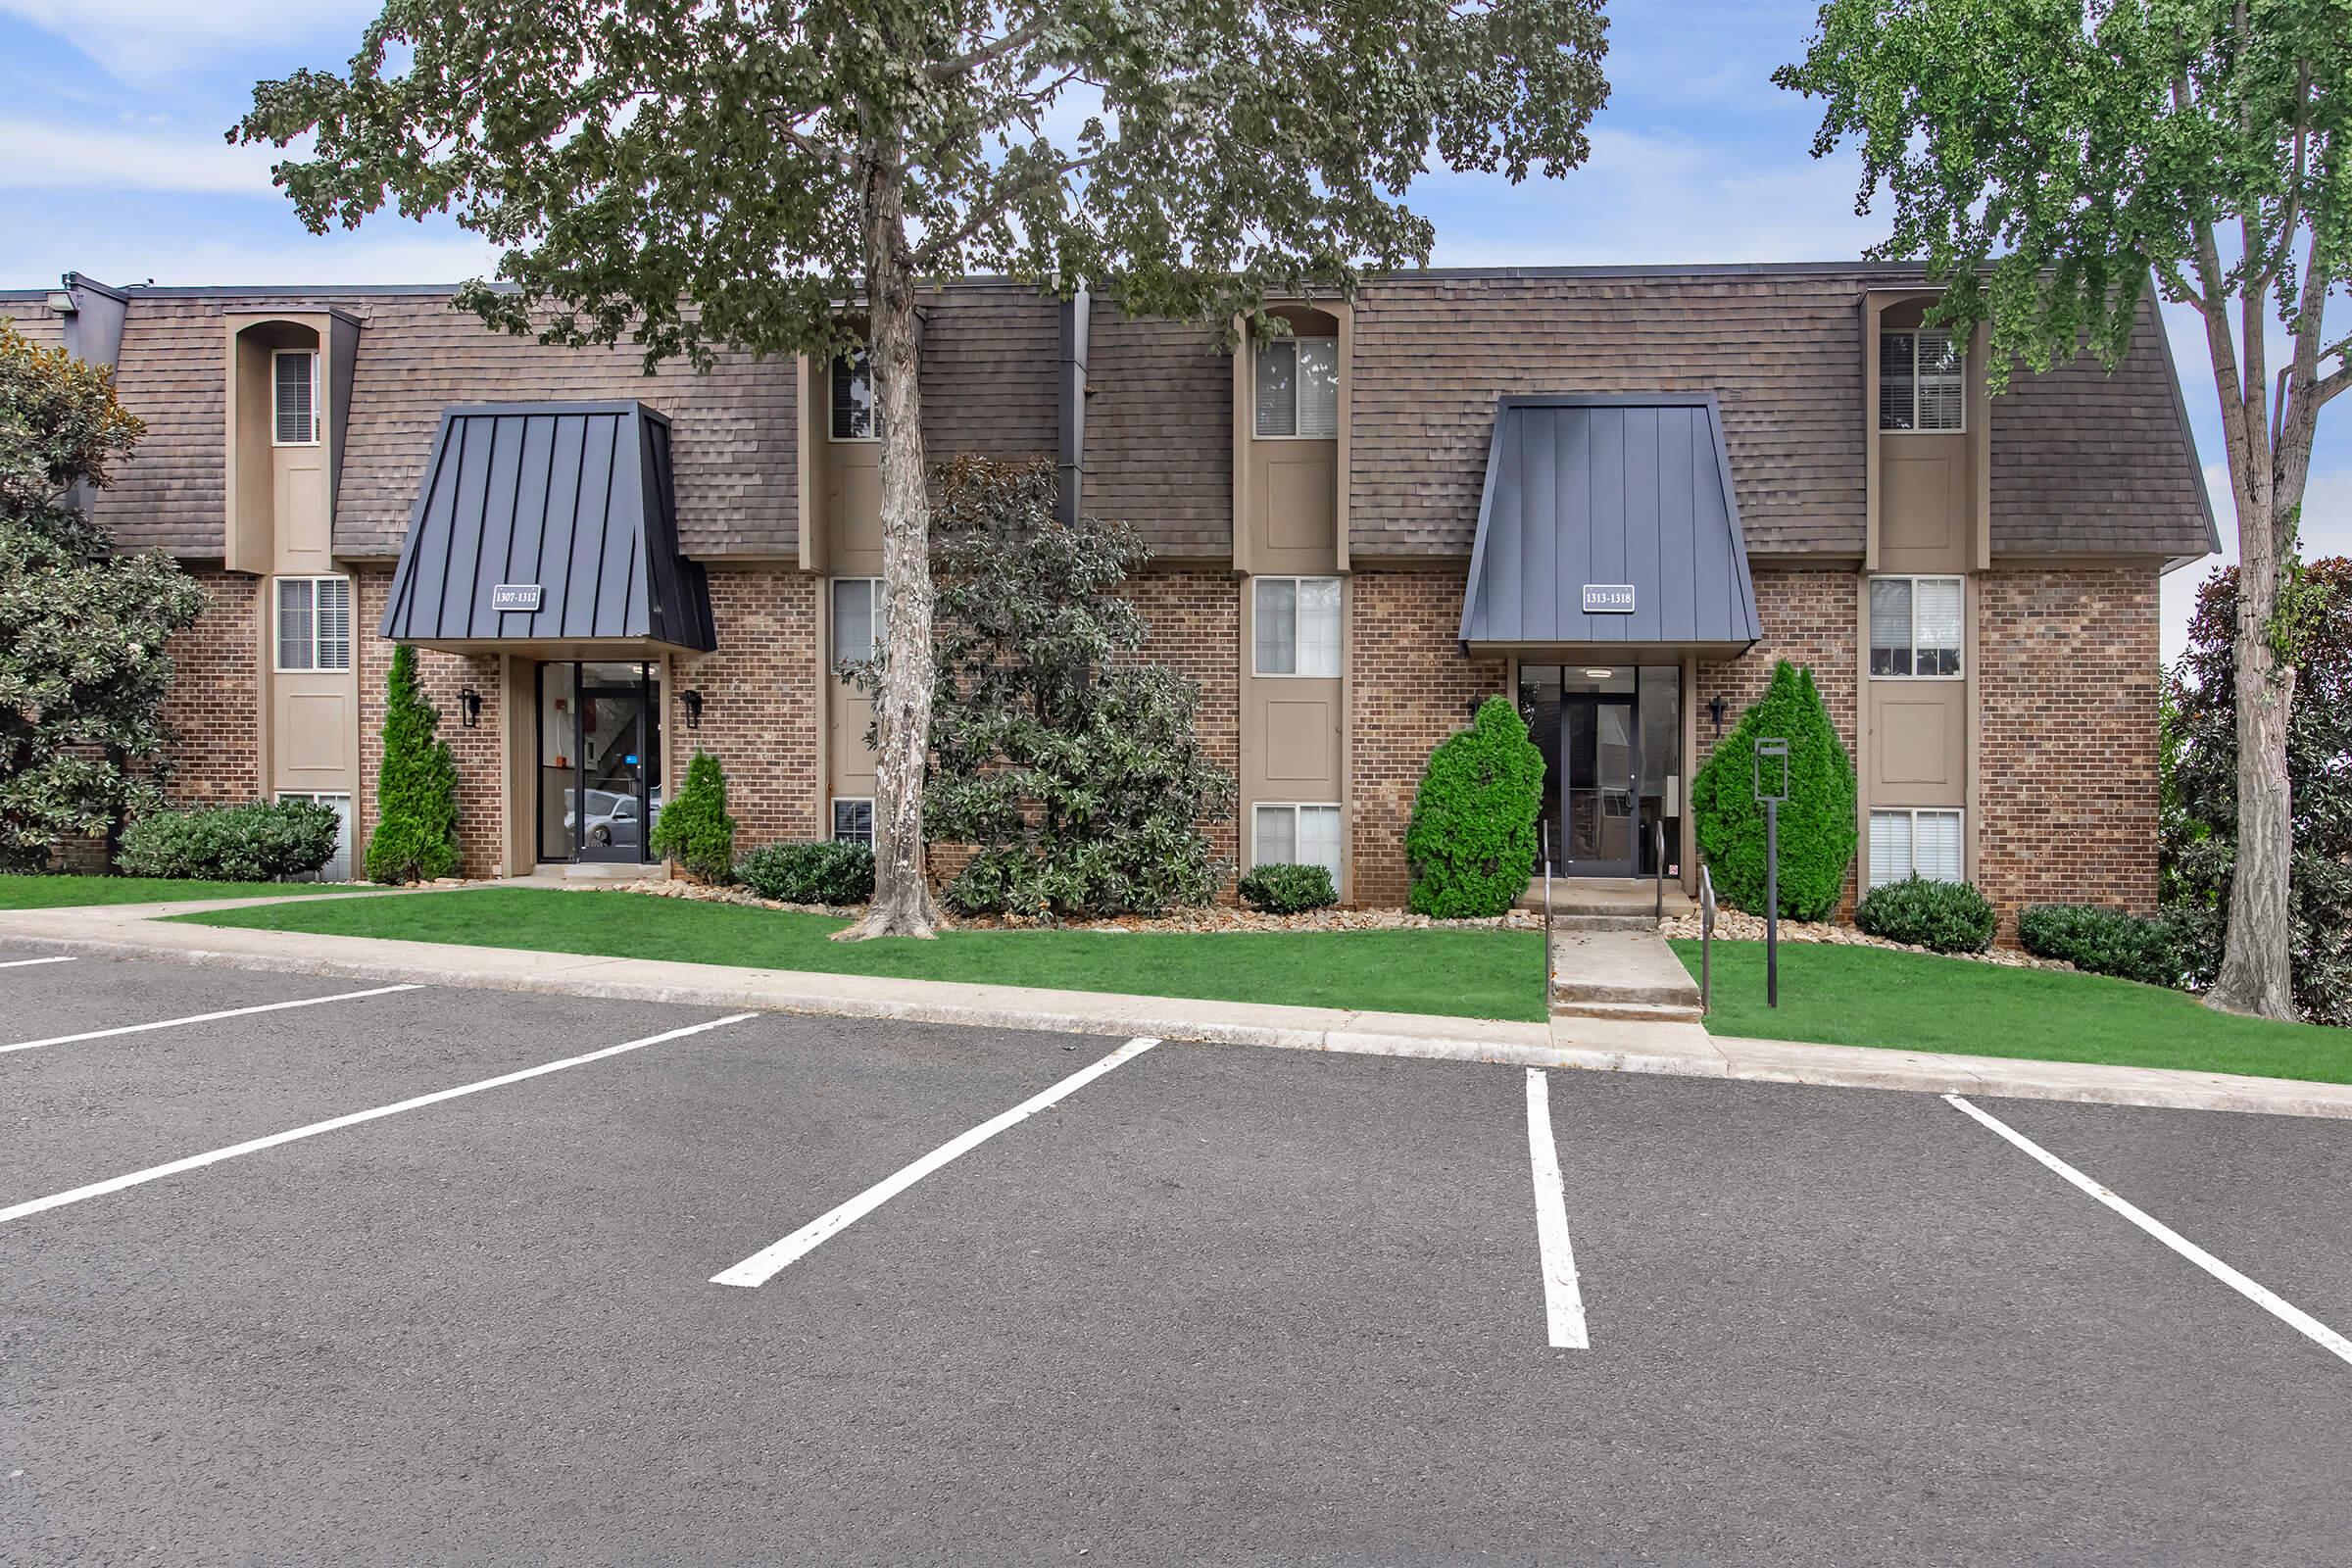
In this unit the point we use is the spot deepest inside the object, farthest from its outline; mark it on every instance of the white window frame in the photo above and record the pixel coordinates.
(1340, 817)
(857, 358)
(1298, 386)
(1959, 816)
(344, 846)
(840, 801)
(1339, 629)
(877, 608)
(278, 627)
(1918, 383)
(318, 419)
(1915, 578)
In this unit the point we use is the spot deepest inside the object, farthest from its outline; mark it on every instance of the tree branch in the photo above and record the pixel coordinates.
(964, 64)
(997, 204)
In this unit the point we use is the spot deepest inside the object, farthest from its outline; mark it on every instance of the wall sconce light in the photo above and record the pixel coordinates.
(1715, 707)
(469, 707)
(692, 702)
(61, 302)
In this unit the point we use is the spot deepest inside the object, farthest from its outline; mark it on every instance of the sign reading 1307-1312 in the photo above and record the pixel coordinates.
(1608, 599)
(517, 596)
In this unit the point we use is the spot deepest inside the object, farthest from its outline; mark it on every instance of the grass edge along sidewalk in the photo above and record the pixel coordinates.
(1462, 972)
(65, 889)
(1856, 996)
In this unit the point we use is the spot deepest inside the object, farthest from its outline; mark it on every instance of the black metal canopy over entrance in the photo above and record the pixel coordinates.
(549, 523)
(1609, 523)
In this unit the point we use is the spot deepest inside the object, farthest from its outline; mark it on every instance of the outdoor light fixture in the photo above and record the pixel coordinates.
(1715, 707)
(61, 301)
(1598, 675)
(469, 707)
(692, 702)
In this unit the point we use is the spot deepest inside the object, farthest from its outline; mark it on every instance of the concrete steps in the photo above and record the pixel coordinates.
(1621, 975)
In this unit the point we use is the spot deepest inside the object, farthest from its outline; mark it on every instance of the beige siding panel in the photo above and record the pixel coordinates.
(1922, 500)
(1919, 742)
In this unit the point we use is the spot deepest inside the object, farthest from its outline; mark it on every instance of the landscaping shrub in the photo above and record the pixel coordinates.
(1287, 889)
(1472, 839)
(1817, 820)
(416, 835)
(253, 843)
(2103, 941)
(836, 871)
(694, 829)
(1944, 916)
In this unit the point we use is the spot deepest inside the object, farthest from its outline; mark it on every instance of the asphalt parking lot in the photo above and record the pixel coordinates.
(1210, 1304)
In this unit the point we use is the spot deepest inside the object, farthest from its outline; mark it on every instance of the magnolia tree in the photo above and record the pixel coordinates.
(784, 179)
(2048, 161)
(82, 669)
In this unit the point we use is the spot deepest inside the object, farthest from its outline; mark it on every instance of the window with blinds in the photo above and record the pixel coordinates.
(1917, 625)
(1298, 388)
(855, 416)
(854, 820)
(295, 412)
(1296, 626)
(313, 623)
(1923, 382)
(1926, 842)
(857, 619)
(1298, 835)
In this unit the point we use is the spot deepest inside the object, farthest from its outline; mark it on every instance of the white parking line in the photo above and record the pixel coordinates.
(2261, 1295)
(202, 1018)
(115, 1184)
(1563, 1302)
(769, 1261)
(27, 964)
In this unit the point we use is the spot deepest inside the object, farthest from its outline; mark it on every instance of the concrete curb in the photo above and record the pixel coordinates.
(1677, 1049)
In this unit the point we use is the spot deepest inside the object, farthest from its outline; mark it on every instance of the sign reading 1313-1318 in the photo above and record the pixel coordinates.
(1608, 599)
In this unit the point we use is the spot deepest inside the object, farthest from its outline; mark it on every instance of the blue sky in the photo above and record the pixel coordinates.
(111, 164)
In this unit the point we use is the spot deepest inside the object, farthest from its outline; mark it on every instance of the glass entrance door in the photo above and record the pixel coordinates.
(600, 760)
(1601, 767)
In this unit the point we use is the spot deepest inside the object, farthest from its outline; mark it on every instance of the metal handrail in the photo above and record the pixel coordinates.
(1706, 937)
(1658, 905)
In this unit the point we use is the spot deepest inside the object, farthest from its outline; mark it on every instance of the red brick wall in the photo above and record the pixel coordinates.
(481, 767)
(761, 709)
(214, 703)
(1413, 687)
(1195, 630)
(2068, 668)
(1809, 619)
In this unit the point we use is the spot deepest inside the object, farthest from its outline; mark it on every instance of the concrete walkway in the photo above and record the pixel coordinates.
(1607, 1045)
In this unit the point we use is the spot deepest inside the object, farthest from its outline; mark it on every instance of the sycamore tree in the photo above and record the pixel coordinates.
(83, 670)
(2047, 159)
(699, 174)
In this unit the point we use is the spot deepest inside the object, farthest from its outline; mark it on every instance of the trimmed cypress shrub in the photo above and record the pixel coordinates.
(694, 829)
(1472, 840)
(1288, 889)
(2103, 942)
(836, 871)
(1945, 916)
(251, 843)
(1817, 820)
(416, 835)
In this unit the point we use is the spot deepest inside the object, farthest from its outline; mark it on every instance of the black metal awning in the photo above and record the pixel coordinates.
(1610, 520)
(549, 522)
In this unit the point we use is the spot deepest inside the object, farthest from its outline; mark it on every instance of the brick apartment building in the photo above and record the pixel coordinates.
(1619, 493)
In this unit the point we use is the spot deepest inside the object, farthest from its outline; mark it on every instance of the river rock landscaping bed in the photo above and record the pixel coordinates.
(1737, 925)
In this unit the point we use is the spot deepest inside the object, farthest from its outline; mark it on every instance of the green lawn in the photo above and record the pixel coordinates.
(1472, 973)
(57, 892)
(1916, 1002)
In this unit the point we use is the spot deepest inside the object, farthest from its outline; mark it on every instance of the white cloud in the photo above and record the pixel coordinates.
(147, 41)
(41, 156)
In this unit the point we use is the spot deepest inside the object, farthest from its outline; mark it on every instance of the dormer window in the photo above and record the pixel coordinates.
(855, 416)
(1298, 388)
(1923, 382)
(294, 401)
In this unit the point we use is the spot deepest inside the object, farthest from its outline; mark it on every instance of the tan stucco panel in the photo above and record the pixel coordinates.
(1919, 742)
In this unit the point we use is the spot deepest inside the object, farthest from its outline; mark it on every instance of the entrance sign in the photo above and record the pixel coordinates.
(1608, 599)
(520, 597)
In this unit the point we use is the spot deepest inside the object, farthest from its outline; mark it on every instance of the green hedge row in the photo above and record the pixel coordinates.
(258, 842)
(1941, 917)
(1287, 889)
(834, 872)
(2103, 942)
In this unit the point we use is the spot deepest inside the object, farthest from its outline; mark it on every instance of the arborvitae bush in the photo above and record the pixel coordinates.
(694, 829)
(834, 872)
(251, 843)
(415, 837)
(1281, 888)
(1472, 839)
(1817, 820)
(1945, 916)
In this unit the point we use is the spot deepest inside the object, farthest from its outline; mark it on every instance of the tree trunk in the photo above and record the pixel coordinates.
(902, 905)
(2256, 975)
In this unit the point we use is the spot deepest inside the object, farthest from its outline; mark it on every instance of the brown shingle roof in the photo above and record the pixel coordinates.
(1160, 432)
